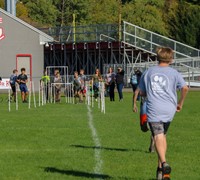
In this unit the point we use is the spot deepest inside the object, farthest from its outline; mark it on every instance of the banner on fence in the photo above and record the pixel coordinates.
(5, 84)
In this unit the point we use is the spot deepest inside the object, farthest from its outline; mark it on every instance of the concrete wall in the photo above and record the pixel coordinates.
(19, 39)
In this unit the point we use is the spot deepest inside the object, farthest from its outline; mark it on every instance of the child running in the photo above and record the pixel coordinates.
(143, 116)
(159, 84)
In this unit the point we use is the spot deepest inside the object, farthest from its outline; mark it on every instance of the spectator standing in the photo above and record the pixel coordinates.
(45, 80)
(58, 86)
(120, 82)
(110, 83)
(77, 88)
(82, 78)
(96, 78)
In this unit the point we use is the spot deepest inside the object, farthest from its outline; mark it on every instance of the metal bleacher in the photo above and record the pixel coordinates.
(104, 45)
(186, 58)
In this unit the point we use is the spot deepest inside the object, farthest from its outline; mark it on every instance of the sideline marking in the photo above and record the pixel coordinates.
(99, 162)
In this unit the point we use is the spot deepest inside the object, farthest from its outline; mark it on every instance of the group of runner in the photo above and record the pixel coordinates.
(157, 87)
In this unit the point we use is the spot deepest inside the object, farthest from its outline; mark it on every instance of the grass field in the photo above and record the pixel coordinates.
(57, 141)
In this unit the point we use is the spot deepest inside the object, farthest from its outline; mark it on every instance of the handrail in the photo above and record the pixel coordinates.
(106, 37)
(153, 40)
(154, 44)
(161, 36)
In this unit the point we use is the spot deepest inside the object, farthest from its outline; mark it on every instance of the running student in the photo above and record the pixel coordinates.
(159, 84)
(13, 80)
(22, 79)
(143, 116)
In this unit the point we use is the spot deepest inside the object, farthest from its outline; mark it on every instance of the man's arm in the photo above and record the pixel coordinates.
(184, 91)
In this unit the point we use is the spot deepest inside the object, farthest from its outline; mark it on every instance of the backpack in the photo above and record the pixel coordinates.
(133, 79)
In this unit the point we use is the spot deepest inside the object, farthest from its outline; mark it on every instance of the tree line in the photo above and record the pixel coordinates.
(177, 19)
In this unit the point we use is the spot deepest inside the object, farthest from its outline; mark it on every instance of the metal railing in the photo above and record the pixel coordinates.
(91, 33)
(148, 41)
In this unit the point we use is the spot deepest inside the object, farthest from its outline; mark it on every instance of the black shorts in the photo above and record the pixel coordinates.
(159, 127)
(13, 87)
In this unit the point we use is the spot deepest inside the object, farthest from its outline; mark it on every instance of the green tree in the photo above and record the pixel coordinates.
(147, 14)
(42, 11)
(183, 22)
(2, 4)
(178, 19)
(101, 12)
(193, 1)
(66, 9)
(22, 11)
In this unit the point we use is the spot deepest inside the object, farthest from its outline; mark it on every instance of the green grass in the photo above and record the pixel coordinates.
(55, 142)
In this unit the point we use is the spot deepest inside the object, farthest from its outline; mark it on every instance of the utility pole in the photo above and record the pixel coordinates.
(10, 6)
(74, 27)
(120, 20)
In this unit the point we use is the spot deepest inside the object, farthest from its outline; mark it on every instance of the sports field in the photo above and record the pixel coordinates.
(66, 141)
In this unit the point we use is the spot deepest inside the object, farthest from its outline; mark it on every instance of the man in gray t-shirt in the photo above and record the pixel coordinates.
(159, 84)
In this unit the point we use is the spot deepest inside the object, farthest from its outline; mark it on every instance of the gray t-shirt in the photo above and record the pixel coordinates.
(160, 84)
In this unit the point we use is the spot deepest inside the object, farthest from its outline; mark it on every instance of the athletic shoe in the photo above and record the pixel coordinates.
(166, 170)
(159, 174)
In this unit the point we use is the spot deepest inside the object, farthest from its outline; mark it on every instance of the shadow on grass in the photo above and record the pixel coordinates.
(77, 173)
(107, 148)
(84, 174)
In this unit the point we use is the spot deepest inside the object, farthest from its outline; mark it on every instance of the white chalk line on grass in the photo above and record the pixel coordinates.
(32, 150)
(99, 161)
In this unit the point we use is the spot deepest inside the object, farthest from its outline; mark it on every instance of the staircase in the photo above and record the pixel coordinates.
(186, 58)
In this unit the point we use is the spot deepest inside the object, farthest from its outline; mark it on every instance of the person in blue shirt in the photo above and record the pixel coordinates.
(13, 80)
(159, 84)
(134, 81)
(143, 116)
